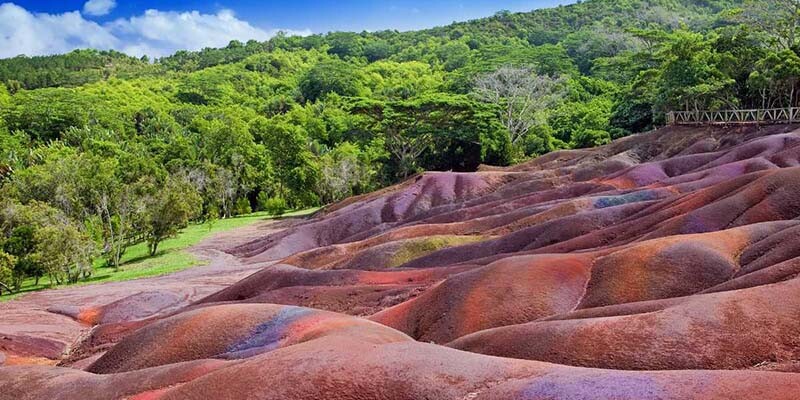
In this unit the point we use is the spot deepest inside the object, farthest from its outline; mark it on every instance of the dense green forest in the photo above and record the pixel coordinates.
(99, 150)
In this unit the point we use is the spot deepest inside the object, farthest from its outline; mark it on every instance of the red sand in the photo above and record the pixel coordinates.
(661, 266)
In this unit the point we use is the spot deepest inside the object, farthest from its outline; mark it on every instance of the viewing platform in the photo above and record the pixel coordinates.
(735, 117)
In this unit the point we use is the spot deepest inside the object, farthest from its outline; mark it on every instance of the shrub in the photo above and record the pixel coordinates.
(242, 207)
(590, 138)
(275, 206)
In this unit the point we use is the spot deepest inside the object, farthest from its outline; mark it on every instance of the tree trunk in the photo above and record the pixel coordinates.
(54, 278)
(8, 289)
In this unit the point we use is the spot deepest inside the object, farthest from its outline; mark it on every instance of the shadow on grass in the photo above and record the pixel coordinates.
(26, 288)
(136, 259)
(95, 278)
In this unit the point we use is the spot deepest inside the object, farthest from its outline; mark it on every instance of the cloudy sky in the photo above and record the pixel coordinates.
(158, 28)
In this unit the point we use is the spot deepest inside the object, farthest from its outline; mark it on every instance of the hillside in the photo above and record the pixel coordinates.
(659, 266)
(563, 24)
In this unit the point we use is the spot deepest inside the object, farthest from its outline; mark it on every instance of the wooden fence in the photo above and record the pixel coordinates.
(734, 117)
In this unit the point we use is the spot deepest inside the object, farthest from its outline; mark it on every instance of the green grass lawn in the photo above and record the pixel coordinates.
(172, 254)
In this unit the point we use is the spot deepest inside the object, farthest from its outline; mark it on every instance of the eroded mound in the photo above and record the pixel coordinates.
(233, 331)
(661, 266)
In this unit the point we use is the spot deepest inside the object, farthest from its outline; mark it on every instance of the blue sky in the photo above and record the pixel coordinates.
(157, 28)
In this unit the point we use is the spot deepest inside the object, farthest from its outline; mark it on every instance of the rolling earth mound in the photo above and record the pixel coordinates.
(661, 266)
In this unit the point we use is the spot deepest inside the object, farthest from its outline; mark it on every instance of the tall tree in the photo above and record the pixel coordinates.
(776, 78)
(290, 158)
(522, 94)
(690, 76)
(333, 76)
(169, 209)
(120, 212)
(22, 245)
(780, 19)
(437, 132)
(65, 251)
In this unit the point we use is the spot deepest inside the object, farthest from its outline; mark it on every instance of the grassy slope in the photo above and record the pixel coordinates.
(172, 255)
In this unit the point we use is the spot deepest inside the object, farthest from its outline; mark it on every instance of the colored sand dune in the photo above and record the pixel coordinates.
(660, 266)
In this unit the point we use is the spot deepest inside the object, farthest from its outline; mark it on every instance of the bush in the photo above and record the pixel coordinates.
(617, 133)
(274, 206)
(590, 138)
(6, 272)
(261, 201)
(536, 143)
(632, 115)
(242, 207)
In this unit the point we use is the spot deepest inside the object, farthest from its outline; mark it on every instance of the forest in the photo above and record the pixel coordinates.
(100, 151)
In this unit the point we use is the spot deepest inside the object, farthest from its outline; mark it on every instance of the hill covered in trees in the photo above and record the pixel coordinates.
(99, 150)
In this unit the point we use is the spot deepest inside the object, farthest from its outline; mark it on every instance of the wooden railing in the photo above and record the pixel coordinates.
(732, 117)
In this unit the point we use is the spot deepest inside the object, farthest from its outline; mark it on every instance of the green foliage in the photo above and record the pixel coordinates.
(331, 76)
(7, 262)
(598, 41)
(632, 115)
(22, 245)
(42, 240)
(445, 132)
(290, 160)
(690, 74)
(775, 78)
(345, 171)
(13, 149)
(46, 113)
(168, 209)
(453, 55)
(345, 44)
(5, 97)
(71, 181)
(273, 205)
(581, 124)
(551, 60)
(777, 20)
(65, 252)
(378, 50)
(242, 207)
(76, 68)
(392, 80)
(524, 98)
(590, 138)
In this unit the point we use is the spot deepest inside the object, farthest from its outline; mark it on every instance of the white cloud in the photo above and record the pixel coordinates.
(168, 31)
(99, 7)
(35, 34)
(154, 33)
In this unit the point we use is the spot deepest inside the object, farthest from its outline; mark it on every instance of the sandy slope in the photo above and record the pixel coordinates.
(661, 266)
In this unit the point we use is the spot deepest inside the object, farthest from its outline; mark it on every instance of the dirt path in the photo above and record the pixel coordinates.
(30, 332)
